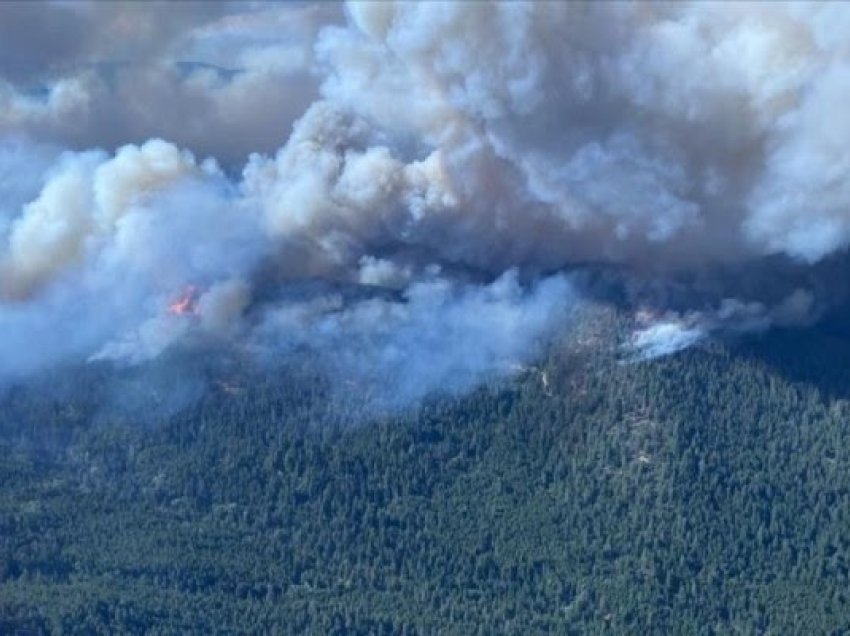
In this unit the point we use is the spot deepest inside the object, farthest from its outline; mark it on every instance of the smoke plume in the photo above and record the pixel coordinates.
(415, 193)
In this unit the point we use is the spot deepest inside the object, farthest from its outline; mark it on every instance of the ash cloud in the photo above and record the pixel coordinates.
(417, 194)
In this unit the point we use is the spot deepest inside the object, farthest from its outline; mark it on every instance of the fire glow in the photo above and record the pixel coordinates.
(186, 304)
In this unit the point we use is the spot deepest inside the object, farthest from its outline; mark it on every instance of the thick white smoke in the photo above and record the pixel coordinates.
(451, 155)
(661, 335)
(674, 132)
(444, 337)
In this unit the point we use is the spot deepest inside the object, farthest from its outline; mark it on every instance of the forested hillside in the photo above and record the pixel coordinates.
(703, 493)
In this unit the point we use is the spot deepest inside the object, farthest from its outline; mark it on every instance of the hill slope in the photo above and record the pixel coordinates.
(704, 493)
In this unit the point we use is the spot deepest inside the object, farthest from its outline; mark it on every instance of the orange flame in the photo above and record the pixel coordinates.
(186, 304)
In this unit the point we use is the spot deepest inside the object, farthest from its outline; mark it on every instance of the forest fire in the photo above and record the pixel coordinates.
(186, 304)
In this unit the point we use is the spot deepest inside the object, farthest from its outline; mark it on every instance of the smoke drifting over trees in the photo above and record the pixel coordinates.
(414, 192)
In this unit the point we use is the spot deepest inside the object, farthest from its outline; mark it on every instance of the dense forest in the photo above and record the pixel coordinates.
(707, 492)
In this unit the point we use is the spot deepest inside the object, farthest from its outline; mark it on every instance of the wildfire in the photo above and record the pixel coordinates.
(186, 304)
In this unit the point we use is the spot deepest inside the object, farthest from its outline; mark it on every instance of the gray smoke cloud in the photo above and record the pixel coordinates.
(420, 182)
(219, 78)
